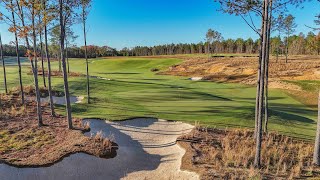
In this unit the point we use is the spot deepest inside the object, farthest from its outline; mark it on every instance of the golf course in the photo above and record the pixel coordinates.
(125, 88)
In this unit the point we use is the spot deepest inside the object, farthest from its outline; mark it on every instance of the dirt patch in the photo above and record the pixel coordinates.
(24, 144)
(223, 154)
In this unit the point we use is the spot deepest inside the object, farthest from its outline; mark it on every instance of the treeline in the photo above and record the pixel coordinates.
(72, 52)
(298, 44)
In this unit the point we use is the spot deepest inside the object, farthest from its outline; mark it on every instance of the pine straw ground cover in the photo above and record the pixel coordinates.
(24, 144)
(229, 154)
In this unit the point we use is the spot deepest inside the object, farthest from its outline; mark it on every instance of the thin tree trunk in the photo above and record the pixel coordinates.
(35, 73)
(287, 49)
(3, 67)
(85, 53)
(68, 65)
(48, 61)
(316, 153)
(65, 75)
(266, 107)
(59, 59)
(258, 84)
(257, 159)
(17, 52)
(42, 58)
(278, 48)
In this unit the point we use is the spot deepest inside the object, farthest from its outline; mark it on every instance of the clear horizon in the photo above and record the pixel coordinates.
(124, 23)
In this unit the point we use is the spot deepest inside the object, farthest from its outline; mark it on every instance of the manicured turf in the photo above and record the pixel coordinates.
(135, 91)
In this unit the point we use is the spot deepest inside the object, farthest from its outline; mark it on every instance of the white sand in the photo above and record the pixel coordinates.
(196, 78)
(147, 150)
(60, 100)
(159, 138)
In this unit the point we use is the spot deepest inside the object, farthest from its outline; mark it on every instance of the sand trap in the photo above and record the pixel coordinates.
(147, 150)
(59, 100)
(98, 77)
(196, 78)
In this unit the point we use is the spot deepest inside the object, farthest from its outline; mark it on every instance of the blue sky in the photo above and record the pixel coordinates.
(127, 23)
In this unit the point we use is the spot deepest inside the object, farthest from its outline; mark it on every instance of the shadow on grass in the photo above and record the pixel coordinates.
(289, 117)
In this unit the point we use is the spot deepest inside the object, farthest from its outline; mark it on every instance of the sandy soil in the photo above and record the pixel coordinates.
(244, 69)
(147, 150)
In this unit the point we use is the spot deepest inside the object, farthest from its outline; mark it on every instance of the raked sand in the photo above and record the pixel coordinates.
(147, 150)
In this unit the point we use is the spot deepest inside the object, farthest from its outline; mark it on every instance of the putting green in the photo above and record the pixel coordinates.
(134, 91)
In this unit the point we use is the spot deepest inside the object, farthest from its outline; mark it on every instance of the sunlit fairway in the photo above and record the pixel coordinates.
(134, 91)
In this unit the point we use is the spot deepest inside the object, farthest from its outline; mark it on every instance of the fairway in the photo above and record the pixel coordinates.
(134, 91)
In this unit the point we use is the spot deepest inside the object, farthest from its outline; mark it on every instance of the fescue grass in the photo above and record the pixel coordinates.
(135, 91)
(230, 155)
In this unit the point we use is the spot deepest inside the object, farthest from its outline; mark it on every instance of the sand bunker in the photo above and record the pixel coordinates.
(196, 78)
(60, 100)
(147, 150)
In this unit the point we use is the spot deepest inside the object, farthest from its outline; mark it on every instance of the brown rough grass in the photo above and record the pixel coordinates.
(229, 154)
(244, 69)
(23, 143)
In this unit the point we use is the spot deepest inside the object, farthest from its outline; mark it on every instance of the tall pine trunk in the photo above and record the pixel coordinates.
(85, 52)
(316, 153)
(65, 75)
(3, 67)
(48, 60)
(35, 67)
(258, 84)
(257, 159)
(266, 97)
(41, 53)
(59, 60)
(67, 57)
(17, 52)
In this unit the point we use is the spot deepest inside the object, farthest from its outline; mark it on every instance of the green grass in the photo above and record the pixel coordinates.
(307, 85)
(135, 91)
